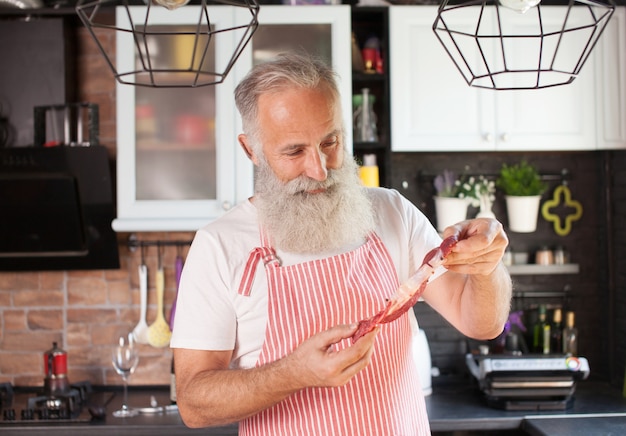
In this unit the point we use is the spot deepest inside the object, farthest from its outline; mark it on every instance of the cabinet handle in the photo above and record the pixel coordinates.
(487, 137)
(226, 205)
(504, 137)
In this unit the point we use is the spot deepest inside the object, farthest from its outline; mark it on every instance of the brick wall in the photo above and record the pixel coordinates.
(83, 311)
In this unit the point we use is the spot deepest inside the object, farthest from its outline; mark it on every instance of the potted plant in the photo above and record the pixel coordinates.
(450, 202)
(522, 187)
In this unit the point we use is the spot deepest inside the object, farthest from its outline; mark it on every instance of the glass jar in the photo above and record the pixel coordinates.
(544, 256)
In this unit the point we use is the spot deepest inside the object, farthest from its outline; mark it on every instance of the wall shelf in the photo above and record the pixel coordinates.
(533, 269)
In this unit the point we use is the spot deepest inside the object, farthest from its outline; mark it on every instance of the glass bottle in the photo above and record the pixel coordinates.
(556, 340)
(365, 119)
(540, 329)
(570, 336)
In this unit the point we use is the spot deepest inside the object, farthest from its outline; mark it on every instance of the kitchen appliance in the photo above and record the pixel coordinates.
(29, 405)
(56, 207)
(420, 352)
(421, 355)
(528, 382)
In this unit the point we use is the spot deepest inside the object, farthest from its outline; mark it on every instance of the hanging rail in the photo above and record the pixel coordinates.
(134, 243)
(563, 176)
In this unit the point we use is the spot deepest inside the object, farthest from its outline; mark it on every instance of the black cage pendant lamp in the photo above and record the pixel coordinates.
(174, 44)
(518, 44)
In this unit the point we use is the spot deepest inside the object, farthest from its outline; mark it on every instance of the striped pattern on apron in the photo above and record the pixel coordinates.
(304, 299)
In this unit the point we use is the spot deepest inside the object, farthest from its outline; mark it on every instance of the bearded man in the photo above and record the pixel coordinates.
(271, 292)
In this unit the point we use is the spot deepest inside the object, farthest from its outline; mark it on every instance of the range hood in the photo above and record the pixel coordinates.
(56, 209)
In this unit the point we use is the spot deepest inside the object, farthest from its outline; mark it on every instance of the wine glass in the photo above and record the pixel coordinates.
(125, 358)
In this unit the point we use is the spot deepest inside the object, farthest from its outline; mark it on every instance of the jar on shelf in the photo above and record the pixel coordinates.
(544, 256)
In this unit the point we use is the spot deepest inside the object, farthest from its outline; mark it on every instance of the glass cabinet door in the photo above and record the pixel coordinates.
(175, 149)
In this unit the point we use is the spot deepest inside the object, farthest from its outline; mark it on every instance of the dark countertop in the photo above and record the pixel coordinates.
(458, 405)
(576, 426)
(455, 405)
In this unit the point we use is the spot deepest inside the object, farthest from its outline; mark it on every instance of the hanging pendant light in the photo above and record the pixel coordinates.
(170, 50)
(518, 44)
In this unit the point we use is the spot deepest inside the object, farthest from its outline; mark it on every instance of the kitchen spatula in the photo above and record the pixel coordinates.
(140, 332)
(159, 332)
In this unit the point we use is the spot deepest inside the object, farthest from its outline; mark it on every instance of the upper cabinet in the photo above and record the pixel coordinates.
(611, 83)
(178, 161)
(433, 108)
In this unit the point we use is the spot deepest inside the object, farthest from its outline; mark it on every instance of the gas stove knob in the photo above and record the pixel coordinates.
(43, 414)
(28, 414)
(8, 414)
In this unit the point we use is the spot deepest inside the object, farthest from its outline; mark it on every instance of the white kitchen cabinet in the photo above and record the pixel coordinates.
(433, 108)
(179, 164)
(611, 83)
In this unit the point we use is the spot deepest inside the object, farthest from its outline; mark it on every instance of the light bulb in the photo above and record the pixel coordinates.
(520, 6)
(171, 4)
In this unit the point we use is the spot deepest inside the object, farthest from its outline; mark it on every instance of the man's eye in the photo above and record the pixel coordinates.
(329, 144)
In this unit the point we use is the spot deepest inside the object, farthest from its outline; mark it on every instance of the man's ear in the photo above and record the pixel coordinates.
(243, 141)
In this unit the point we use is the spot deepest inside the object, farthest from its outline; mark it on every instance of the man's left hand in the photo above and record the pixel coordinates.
(481, 245)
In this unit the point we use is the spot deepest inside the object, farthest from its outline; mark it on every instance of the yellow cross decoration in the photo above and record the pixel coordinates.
(562, 229)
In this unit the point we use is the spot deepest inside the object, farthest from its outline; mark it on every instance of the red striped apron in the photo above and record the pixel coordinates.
(383, 399)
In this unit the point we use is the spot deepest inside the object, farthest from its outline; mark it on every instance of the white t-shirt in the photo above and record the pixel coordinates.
(211, 315)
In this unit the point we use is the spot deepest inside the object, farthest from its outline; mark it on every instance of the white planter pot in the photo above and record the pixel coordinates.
(450, 210)
(522, 212)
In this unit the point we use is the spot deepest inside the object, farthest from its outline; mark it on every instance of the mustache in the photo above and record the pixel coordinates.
(302, 185)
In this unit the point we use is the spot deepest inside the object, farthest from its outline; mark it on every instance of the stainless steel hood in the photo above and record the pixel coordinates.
(56, 209)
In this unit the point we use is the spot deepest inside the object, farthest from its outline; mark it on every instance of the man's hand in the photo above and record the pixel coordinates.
(481, 245)
(319, 362)
(474, 294)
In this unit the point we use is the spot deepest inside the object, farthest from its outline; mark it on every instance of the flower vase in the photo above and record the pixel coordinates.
(449, 211)
(485, 207)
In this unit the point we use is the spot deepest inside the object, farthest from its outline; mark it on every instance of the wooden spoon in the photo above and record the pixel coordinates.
(159, 332)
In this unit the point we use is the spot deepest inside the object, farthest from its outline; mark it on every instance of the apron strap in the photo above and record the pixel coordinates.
(267, 254)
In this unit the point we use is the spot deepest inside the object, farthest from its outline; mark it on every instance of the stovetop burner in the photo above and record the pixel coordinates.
(28, 405)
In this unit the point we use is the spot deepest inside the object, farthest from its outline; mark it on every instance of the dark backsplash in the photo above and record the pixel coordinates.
(591, 293)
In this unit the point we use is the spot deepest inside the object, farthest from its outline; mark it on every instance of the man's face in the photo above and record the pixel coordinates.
(301, 133)
(309, 197)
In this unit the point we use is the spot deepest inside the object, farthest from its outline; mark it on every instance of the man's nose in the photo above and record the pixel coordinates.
(316, 166)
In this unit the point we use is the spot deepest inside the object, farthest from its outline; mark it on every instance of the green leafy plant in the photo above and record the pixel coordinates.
(520, 179)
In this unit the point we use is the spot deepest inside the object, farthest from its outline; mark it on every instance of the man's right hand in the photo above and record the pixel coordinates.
(321, 362)
(209, 393)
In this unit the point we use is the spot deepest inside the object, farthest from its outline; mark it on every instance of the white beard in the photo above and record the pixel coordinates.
(299, 222)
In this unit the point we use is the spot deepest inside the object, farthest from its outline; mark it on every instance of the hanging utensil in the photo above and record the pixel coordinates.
(178, 268)
(140, 332)
(159, 332)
